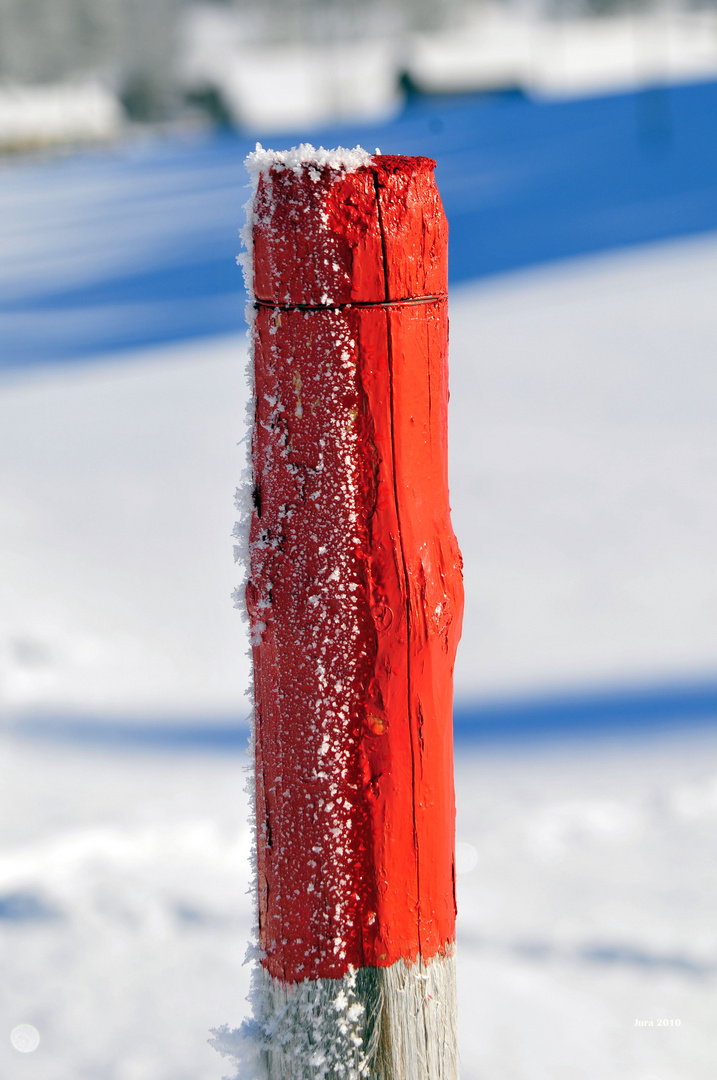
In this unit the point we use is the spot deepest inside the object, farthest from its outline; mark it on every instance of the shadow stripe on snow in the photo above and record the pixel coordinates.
(616, 711)
(605, 711)
(603, 954)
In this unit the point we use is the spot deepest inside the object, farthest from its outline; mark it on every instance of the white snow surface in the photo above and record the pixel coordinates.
(590, 904)
(116, 569)
(583, 447)
(583, 453)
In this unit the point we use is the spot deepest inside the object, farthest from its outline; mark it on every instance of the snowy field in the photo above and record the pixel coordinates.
(586, 902)
(583, 457)
(583, 451)
(134, 245)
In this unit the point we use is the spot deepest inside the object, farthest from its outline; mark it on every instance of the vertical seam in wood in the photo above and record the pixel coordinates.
(260, 780)
(389, 352)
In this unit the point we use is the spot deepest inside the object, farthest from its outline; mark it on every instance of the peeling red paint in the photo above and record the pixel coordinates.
(355, 590)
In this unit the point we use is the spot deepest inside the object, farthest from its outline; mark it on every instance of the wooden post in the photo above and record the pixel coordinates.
(355, 601)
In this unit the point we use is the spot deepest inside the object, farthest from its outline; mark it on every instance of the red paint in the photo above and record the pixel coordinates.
(355, 591)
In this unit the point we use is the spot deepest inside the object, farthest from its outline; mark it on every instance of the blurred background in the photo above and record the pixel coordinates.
(82, 68)
(576, 149)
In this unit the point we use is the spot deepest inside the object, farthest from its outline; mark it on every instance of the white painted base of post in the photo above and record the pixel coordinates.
(393, 1023)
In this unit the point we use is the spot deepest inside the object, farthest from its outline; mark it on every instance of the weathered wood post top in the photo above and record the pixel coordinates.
(355, 601)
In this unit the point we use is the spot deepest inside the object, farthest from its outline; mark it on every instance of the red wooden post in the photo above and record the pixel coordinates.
(355, 600)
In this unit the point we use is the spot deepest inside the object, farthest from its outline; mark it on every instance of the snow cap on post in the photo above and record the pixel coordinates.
(355, 593)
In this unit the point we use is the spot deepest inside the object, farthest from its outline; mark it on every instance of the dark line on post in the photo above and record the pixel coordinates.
(376, 188)
(408, 301)
(389, 349)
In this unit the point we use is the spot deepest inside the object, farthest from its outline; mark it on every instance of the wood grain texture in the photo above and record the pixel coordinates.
(355, 592)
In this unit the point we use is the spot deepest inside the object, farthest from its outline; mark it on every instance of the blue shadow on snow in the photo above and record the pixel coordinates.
(649, 710)
(144, 237)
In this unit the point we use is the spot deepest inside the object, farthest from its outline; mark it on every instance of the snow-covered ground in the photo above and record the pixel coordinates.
(586, 902)
(116, 572)
(583, 450)
(583, 455)
(136, 245)
(583, 446)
